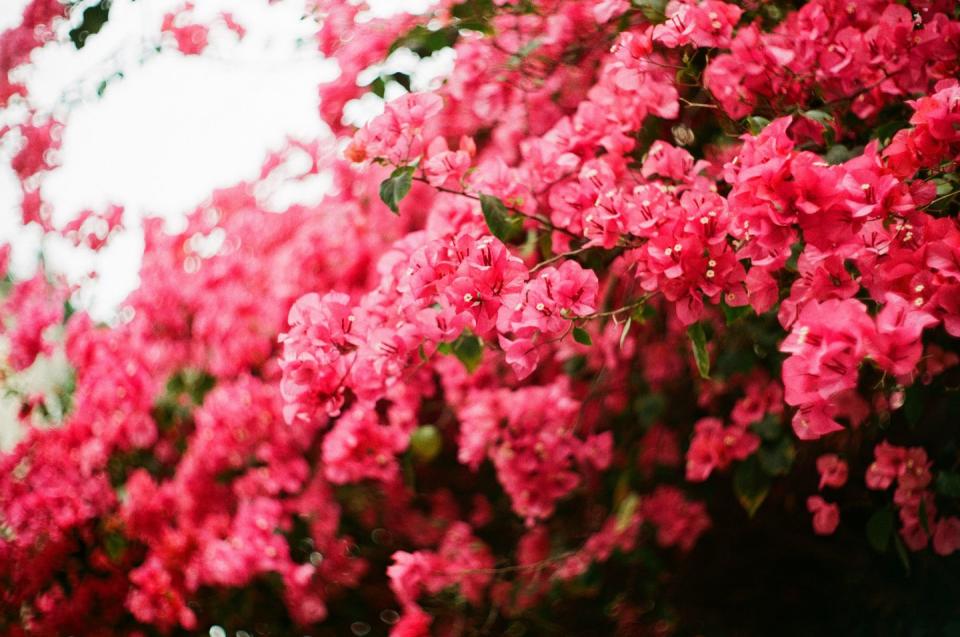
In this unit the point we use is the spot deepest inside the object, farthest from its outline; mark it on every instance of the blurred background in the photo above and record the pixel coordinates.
(155, 131)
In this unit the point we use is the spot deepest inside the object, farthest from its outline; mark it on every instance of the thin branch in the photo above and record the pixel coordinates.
(559, 257)
(533, 217)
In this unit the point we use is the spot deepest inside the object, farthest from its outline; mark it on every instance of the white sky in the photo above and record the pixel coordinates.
(172, 130)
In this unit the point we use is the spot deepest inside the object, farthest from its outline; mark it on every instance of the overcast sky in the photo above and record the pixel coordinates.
(173, 129)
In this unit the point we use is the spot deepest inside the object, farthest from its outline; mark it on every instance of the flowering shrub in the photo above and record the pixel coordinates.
(645, 305)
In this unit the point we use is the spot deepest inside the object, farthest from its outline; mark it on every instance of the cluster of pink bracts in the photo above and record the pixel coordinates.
(563, 241)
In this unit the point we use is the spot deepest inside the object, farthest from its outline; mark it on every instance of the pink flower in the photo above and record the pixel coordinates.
(680, 522)
(896, 346)
(827, 345)
(398, 134)
(887, 466)
(946, 536)
(826, 516)
(716, 447)
(359, 447)
(832, 470)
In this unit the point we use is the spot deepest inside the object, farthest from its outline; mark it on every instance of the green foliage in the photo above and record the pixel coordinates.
(880, 529)
(468, 348)
(948, 484)
(755, 124)
(501, 225)
(425, 41)
(776, 458)
(698, 342)
(395, 187)
(751, 485)
(93, 19)
(581, 336)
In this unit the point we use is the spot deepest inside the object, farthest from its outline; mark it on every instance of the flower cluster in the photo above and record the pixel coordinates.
(622, 261)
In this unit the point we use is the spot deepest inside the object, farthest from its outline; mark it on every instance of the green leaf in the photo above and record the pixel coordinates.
(495, 214)
(626, 510)
(652, 10)
(879, 529)
(755, 124)
(474, 15)
(769, 428)
(469, 349)
(837, 154)
(581, 336)
(902, 553)
(94, 17)
(395, 187)
(426, 443)
(425, 42)
(649, 408)
(777, 458)
(793, 261)
(751, 485)
(948, 484)
(698, 342)
(734, 314)
(885, 132)
(944, 187)
(115, 546)
(378, 87)
(403, 79)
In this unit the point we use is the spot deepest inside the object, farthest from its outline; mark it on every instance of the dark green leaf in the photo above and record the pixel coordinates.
(948, 484)
(469, 349)
(424, 41)
(581, 336)
(495, 214)
(794, 259)
(769, 428)
(755, 124)
(902, 553)
(698, 342)
(885, 132)
(395, 187)
(837, 154)
(734, 314)
(649, 408)
(652, 10)
(378, 87)
(94, 17)
(777, 458)
(402, 79)
(879, 529)
(751, 485)
(115, 545)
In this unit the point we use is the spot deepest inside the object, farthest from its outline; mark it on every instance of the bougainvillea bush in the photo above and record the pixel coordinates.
(644, 321)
